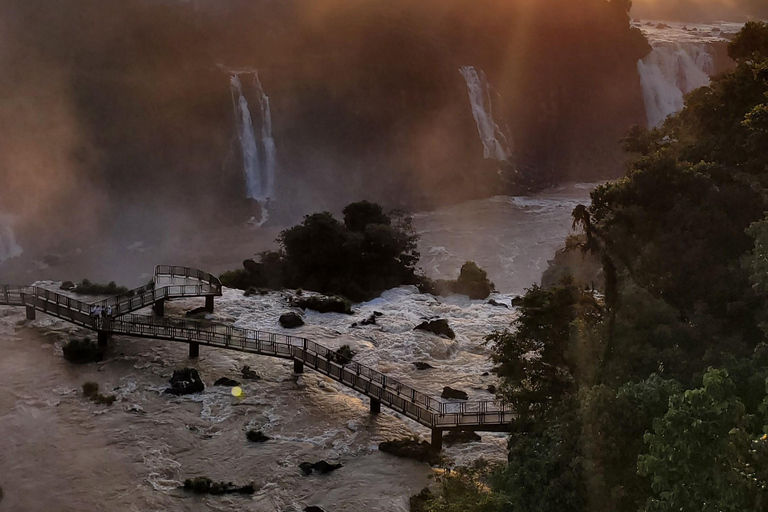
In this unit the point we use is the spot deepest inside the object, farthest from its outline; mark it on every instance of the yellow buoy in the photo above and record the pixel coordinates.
(237, 391)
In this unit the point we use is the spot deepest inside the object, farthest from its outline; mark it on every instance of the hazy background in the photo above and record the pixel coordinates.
(701, 11)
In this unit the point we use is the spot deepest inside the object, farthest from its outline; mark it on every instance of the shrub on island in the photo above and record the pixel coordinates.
(472, 281)
(86, 287)
(369, 252)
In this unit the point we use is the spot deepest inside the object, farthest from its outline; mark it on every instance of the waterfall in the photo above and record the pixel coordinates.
(259, 153)
(669, 72)
(8, 246)
(493, 139)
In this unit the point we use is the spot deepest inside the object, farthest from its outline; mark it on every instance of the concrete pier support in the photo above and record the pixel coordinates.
(437, 439)
(103, 338)
(194, 349)
(159, 307)
(298, 367)
(30, 313)
(209, 303)
(375, 406)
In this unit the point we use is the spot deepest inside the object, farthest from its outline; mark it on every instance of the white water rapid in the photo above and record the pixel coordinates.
(494, 141)
(259, 154)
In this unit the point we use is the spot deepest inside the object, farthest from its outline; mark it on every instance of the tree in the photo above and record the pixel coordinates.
(751, 43)
(706, 454)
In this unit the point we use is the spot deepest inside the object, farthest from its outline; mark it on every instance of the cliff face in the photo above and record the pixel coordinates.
(366, 97)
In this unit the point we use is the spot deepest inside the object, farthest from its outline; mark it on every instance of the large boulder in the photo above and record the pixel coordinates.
(185, 382)
(439, 327)
(322, 467)
(82, 351)
(449, 392)
(291, 320)
(473, 282)
(324, 304)
(410, 449)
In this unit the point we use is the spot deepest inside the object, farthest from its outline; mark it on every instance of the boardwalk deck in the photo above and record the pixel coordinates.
(176, 282)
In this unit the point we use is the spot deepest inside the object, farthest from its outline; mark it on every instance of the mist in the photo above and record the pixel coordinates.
(701, 11)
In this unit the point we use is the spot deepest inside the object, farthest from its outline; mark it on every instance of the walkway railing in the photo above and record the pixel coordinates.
(432, 412)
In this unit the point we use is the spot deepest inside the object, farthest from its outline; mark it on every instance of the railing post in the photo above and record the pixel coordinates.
(375, 406)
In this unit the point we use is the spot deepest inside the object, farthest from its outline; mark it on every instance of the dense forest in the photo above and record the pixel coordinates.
(651, 394)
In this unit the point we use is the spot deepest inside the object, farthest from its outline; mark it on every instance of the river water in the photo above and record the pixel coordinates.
(59, 451)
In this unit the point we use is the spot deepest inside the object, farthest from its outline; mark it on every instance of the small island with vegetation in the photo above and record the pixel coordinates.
(356, 259)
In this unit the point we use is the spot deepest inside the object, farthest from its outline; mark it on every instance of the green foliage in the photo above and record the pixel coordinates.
(707, 453)
(751, 43)
(535, 360)
(544, 472)
(367, 254)
(91, 390)
(342, 356)
(464, 489)
(325, 304)
(473, 282)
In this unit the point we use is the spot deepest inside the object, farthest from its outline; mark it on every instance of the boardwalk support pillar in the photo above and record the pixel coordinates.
(194, 349)
(437, 440)
(375, 406)
(103, 338)
(298, 366)
(209, 303)
(159, 307)
(30, 313)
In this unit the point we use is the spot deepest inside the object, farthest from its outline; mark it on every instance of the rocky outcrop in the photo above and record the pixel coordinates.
(249, 374)
(494, 302)
(204, 485)
(439, 327)
(371, 320)
(422, 366)
(449, 392)
(185, 382)
(257, 436)
(200, 312)
(291, 320)
(321, 467)
(410, 449)
(226, 381)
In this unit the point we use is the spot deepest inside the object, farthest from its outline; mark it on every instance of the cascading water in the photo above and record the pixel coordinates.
(494, 141)
(9, 248)
(259, 154)
(669, 72)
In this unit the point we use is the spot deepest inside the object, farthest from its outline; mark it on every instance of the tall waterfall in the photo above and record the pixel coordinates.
(8, 246)
(259, 153)
(669, 72)
(494, 141)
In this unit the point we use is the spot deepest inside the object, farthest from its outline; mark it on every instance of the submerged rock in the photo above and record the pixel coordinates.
(410, 449)
(226, 381)
(449, 392)
(185, 382)
(291, 320)
(371, 320)
(494, 302)
(313, 508)
(321, 467)
(439, 327)
(257, 436)
(197, 312)
(422, 366)
(452, 437)
(492, 389)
